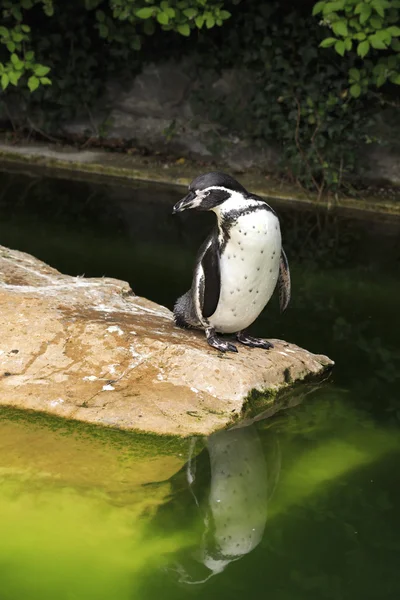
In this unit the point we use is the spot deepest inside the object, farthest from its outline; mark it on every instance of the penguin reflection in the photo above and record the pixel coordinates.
(242, 477)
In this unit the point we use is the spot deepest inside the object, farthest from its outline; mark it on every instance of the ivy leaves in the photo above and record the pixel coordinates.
(117, 21)
(181, 16)
(21, 60)
(364, 27)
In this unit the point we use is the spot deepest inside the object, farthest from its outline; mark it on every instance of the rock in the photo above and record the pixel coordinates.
(89, 349)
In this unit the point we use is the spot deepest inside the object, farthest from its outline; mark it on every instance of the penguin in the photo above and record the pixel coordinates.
(237, 267)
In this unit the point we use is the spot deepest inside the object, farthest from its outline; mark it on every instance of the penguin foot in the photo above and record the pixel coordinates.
(217, 343)
(253, 342)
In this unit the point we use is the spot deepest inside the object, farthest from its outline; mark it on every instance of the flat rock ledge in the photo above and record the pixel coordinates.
(89, 349)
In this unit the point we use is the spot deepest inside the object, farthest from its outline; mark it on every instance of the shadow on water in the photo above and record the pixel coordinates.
(303, 504)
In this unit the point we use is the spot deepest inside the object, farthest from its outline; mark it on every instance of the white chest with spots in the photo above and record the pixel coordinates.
(249, 268)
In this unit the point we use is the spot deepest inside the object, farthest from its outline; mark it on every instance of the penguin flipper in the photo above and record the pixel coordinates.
(207, 280)
(284, 282)
(212, 278)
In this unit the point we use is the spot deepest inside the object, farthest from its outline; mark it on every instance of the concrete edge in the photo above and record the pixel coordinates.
(102, 164)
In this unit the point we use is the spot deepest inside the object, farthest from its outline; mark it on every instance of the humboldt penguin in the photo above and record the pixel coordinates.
(237, 267)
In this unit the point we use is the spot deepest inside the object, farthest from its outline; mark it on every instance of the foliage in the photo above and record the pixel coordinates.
(21, 63)
(124, 22)
(299, 103)
(366, 27)
(314, 104)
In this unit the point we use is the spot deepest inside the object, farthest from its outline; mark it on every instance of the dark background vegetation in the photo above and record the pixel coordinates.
(322, 70)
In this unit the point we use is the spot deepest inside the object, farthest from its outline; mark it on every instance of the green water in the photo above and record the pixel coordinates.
(303, 505)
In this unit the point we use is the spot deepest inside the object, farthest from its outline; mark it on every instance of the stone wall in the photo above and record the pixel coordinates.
(155, 111)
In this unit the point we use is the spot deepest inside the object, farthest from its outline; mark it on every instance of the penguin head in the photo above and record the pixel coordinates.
(208, 191)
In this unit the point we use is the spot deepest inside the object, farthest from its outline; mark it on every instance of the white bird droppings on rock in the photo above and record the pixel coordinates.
(57, 402)
(115, 329)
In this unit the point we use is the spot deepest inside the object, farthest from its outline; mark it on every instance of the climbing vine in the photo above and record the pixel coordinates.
(301, 102)
(319, 70)
(124, 22)
(369, 28)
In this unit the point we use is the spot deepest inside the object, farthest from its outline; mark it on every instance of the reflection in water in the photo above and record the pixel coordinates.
(102, 517)
(242, 478)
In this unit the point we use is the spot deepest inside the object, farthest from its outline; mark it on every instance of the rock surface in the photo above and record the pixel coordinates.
(89, 349)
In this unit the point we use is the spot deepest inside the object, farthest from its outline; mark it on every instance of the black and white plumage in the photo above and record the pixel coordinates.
(238, 266)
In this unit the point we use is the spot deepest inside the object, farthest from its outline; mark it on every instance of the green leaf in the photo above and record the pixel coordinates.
(145, 13)
(331, 7)
(348, 43)
(376, 22)
(163, 18)
(363, 48)
(340, 47)
(41, 70)
(381, 79)
(14, 76)
(4, 81)
(14, 59)
(10, 46)
(360, 36)
(394, 30)
(184, 29)
(396, 45)
(25, 28)
(328, 42)
(318, 8)
(16, 13)
(355, 90)
(354, 75)
(377, 42)
(377, 4)
(225, 14)
(33, 83)
(45, 81)
(199, 21)
(190, 12)
(365, 13)
(30, 55)
(17, 37)
(395, 78)
(340, 28)
(48, 10)
(210, 22)
(103, 30)
(100, 16)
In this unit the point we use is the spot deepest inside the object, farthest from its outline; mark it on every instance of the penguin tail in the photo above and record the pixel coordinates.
(181, 311)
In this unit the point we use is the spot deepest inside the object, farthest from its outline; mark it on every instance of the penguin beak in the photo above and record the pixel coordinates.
(189, 201)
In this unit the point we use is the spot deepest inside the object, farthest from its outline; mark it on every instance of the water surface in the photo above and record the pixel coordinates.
(301, 505)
